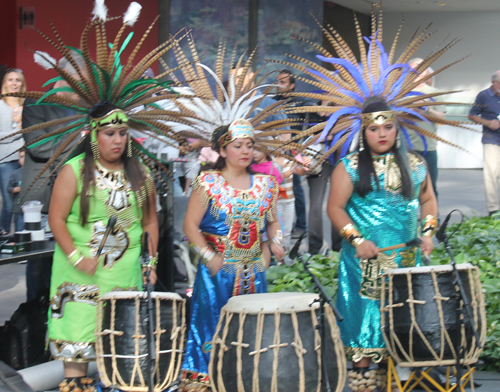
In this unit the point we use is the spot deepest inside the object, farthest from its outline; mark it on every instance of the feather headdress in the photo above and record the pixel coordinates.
(239, 95)
(377, 74)
(105, 78)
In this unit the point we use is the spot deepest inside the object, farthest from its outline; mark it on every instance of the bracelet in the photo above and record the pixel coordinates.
(204, 254)
(278, 238)
(75, 257)
(429, 226)
(352, 235)
(78, 261)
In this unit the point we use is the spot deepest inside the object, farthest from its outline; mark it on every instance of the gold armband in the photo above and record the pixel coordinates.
(429, 226)
(75, 257)
(278, 238)
(352, 235)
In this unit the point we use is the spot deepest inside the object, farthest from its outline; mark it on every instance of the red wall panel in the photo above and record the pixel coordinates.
(69, 18)
(8, 25)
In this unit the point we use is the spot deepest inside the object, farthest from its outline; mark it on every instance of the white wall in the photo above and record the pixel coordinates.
(479, 33)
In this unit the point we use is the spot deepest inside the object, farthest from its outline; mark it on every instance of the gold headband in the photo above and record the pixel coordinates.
(114, 119)
(377, 118)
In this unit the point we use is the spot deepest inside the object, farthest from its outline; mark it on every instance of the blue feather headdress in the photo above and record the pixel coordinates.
(376, 74)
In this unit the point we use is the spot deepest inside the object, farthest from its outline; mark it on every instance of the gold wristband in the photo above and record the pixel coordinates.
(78, 261)
(429, 226)
(352, 235)
(278, 238)
(75, 257)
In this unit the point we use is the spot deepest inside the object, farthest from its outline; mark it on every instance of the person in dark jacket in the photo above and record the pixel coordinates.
(14, 189)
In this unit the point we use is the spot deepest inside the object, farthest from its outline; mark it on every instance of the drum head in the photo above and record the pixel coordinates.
(270, 302)
(140, 294)
(428, 269)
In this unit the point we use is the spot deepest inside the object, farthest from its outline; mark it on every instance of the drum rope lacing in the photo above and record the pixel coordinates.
(297, 344)
(177, 331)
(469, 357)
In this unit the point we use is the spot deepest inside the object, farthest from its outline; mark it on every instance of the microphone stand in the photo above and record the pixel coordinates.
(460, 295)
(324, 298)
(151, 336)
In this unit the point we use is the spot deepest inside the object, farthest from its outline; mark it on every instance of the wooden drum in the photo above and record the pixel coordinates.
(269, 342)
(122, 339)
(419, 315)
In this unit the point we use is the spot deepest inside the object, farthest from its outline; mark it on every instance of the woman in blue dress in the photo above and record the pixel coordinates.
(228, 211)
(374, 202)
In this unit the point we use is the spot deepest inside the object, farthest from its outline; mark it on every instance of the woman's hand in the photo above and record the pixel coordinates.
(88, 265)
(427, 246)
(152, 276)
(215, 264)
(367, 250)
(277, 250)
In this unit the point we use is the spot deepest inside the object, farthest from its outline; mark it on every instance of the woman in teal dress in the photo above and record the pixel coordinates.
(101, 181)
(374, 202)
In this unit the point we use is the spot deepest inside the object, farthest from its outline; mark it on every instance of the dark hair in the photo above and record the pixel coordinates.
(133, 170)
(366, 170)
(289, 73)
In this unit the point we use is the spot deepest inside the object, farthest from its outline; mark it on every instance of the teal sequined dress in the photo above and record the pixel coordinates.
(386, 218)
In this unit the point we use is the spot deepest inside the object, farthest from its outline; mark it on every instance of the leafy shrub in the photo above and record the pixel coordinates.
(294, 278)
(477, 241)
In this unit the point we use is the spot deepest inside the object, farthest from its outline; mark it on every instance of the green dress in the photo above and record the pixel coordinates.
(74, 294)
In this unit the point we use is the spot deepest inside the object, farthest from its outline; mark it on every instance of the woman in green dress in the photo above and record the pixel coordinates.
(102, 180)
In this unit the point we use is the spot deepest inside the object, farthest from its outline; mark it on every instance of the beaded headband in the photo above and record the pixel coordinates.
(239, 129)
(114, 119)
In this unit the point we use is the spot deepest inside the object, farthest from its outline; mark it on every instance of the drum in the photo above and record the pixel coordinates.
(269, 342)
(419, 316)
(122, 339)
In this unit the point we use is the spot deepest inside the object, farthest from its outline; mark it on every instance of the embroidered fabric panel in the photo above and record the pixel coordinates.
(243, 211)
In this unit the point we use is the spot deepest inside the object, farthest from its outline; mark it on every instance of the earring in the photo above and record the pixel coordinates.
(129, 146)
(94, 145)
(398, 141)
(361, 144)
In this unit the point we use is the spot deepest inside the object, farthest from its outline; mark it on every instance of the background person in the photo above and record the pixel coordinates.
(486, 111)
(11, 109)
(429, 149)
(14, 188)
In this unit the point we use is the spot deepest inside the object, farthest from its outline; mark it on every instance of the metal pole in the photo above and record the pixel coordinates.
(253, 29)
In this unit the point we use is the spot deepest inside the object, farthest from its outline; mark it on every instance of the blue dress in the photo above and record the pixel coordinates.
(385, 217)
(233, 225)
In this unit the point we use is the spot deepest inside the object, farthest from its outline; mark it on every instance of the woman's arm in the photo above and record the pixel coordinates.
(63, 196)
(150, 224)
(428, 206)
(194, 214)
(273, 225)
(341, 189)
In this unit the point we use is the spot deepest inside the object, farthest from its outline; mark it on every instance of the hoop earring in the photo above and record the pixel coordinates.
(94, 145)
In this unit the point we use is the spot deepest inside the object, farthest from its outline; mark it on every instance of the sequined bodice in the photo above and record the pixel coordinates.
(384, 216)
(235, 218)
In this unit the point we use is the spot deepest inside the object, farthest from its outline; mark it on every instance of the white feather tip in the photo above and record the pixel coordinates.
(100, 10)
(44, 60)
(132, 13)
